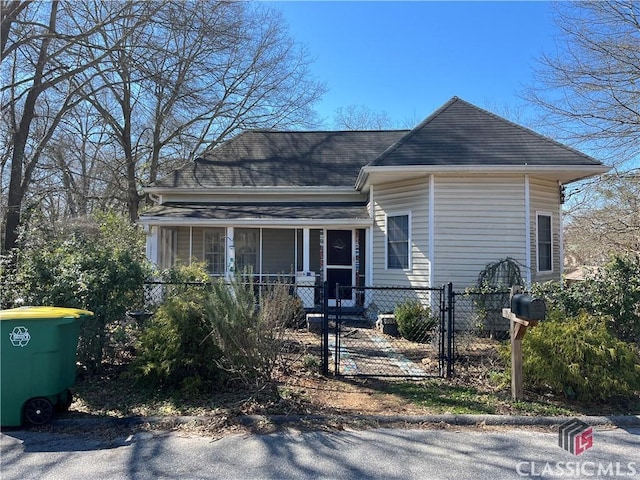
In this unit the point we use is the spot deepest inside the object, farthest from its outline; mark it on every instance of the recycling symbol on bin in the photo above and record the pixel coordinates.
(20, 337)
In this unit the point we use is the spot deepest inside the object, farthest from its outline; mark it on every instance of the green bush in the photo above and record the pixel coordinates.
(415, 322)
(175, 349)
(580, 358)
(96, 265)
(250, 338)
(612, 291)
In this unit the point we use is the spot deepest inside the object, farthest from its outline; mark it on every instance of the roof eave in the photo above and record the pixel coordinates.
(249, 190)
(565, 173)
(286, 222)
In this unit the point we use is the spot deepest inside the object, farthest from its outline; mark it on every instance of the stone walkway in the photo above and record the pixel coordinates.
(368, 352)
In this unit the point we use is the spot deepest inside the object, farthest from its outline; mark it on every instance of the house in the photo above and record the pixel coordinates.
(417, 207)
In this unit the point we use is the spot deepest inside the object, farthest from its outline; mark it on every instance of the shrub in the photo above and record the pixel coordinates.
(612, 291)
(415, 322)
(250, 339)
(175, 349)
(578, 357)
(96, 265)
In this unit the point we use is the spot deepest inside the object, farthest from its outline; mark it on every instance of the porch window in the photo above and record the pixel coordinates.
(545, 245)
(398, 242)
(214, 250)
(168, 247)
(247, 241)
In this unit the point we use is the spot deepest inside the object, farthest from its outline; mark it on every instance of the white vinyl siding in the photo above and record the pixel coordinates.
(405, 197)
(545, 199)
(478, 220)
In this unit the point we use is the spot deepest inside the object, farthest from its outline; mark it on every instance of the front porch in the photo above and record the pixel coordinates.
(305, 256)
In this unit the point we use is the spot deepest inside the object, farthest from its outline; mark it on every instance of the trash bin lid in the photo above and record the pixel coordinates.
(32, 313)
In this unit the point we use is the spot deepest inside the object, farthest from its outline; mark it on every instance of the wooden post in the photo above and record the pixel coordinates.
(517, 388)
(517, 329)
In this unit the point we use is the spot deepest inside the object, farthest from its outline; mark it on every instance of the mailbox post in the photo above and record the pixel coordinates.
(525, 311)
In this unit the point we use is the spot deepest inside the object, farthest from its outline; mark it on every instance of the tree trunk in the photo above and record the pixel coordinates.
(18, 185)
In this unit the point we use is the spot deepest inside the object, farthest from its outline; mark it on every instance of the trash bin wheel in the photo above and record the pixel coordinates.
(64, 404)
(38, 410)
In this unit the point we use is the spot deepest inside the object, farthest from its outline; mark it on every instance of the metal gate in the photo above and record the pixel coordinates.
(388, 332)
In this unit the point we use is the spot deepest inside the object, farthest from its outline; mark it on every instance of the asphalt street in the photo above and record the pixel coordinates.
(453, 453)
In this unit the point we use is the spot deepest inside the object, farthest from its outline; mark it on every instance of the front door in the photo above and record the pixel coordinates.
(340, 265)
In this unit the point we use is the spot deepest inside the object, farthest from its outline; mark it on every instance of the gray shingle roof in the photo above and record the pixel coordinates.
(457, 134)
(284, 159)
(460, 133)
(262, 211)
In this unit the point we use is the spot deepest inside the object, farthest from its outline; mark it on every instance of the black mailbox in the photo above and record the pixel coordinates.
(528, 307)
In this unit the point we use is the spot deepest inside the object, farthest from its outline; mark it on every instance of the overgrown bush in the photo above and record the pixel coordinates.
(250, 338)
(97, 265)
(415, 321)
(578, 357)
(175, 349)
(215, 332)
(612, 291)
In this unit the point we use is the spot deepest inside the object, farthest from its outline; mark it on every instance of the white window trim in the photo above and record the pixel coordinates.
(538, 215)
(386, 240)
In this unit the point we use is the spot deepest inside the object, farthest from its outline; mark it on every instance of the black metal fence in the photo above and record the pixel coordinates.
(479, 330)
(375, 331)
(389, 332)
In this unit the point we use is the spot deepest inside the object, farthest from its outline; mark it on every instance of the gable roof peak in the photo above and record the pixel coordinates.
(460, 133)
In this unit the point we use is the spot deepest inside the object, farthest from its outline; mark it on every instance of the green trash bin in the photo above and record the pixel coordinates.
(37, 362)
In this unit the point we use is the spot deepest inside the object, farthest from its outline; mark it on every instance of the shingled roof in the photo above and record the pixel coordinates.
(460, 133)
(260, 158)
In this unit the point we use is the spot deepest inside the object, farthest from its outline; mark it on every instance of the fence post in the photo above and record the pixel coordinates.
(450, 328)
(338, 339)
(443, 329)
(325, 328)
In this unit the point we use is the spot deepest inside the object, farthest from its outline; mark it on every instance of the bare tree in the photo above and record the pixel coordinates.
(611, 226)
(195, 75)
(588, 87)
(165, 79)
(45, 45)
(360, 117)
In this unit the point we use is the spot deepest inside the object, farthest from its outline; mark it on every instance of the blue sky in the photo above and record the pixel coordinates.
(408, 58)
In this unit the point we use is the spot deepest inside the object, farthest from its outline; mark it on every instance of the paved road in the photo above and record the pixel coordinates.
(381, 453)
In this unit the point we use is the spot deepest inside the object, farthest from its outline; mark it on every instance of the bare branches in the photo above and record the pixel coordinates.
(163, 79)
(611, 224)
(589, 87)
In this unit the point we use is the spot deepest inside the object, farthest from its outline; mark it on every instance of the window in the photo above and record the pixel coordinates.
(398, 242)
(246, 243)
(214, 250)
(168, 247)
(545, 245)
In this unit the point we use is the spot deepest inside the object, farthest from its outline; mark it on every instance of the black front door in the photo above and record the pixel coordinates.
(340, 262)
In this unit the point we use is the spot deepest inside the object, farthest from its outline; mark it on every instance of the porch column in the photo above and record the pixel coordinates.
(152, 235)
(306, 241)
(231, 253)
